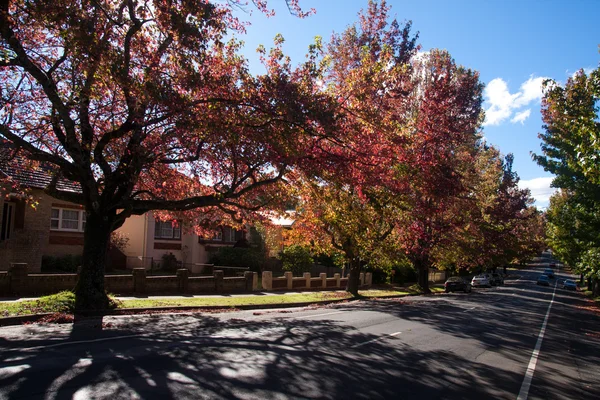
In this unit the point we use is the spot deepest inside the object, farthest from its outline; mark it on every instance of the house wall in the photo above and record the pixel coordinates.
(29, 243)
(134, 229)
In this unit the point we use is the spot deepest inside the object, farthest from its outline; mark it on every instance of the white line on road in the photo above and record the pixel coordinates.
(376, 339)
(524, 392)
(319, 315)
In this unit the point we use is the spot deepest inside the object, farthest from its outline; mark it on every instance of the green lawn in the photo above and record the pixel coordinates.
(64, 302)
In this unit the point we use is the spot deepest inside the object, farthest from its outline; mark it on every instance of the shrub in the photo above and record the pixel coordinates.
(66, 263)
(169, 262)
(297, 258)
(245, 257)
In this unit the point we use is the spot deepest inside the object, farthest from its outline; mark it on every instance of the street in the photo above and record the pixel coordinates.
(479, 345)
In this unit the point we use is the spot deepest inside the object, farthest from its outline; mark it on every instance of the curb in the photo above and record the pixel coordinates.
(21, 319)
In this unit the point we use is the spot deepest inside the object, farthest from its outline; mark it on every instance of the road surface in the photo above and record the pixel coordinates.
(483, 345)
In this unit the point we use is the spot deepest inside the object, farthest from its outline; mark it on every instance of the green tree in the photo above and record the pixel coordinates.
(571, 151)
(297, 259)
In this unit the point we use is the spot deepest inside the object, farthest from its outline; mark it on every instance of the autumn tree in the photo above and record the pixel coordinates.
(571, 150)
(495, 222)
(368, 72)
(359, 225)
(147, 107)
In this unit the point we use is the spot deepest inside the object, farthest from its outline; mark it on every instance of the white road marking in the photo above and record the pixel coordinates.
(469, 309)
(375, 340)
(524, 392)
(319, 315)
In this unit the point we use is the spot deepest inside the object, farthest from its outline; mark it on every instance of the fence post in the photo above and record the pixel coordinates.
(369, 279)
(267, 280)
(139, 280)
(361, 277)
(289, 278)
(18, 278)
(323, 277)
(337, 280)
(249, 277)
(255, 281)
(218, 274)
(182, 279)
(306, 276)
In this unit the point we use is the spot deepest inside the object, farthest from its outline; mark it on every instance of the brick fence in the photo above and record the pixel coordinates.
(288, 282)
(18, 282)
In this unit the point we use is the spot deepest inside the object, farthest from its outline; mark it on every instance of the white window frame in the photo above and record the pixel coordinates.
(81, 218)
(175, 230)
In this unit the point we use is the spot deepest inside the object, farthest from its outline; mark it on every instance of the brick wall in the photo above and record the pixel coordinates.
(118, 284)
(201, 284)
(43, 284)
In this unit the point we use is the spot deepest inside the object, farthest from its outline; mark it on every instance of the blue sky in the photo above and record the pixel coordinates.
(514, 44)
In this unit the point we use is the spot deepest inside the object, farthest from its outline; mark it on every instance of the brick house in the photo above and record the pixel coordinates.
(55, 227)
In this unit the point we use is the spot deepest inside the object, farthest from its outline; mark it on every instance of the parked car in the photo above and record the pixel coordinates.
(549, 272)
(543, 280)
(482, 280)
(457, 283)
(497, 279)
(569, 285)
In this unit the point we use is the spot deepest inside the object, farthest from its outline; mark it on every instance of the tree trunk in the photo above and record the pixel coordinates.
(354, 278)
(595, 287)
(422, 266)
(90, 294)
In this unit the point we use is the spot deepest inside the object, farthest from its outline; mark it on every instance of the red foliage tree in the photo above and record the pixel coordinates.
(148, 108)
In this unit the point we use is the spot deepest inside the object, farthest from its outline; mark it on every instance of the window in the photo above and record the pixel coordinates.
(166, 230)
(218, 235)
(6, 224)
(64, 219)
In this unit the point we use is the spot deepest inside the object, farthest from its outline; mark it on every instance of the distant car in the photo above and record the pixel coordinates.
(497, 279)
(481, 280)
(549, 272)
(457, 283)
(569, 285)
(543, 280)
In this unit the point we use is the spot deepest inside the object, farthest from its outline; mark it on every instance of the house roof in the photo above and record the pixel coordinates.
(17, 168)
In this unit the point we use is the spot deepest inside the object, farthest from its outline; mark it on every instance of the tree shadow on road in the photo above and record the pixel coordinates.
(202, 357)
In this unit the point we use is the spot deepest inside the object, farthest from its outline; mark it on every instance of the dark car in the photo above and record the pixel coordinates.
(543, 280)
(497, 279)
(569, 285)
(549, 272)
(456, 283)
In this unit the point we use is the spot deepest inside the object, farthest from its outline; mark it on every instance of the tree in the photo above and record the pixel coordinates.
(368, 71)
(571, 150)
(440, 148)
(496, 222)
(412, 123)
(297, 258)
(146, 107)
(335, 218)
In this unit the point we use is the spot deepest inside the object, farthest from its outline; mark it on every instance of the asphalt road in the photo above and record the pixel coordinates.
(454, 346)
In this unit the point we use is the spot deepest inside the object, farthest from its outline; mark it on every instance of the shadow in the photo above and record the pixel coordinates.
(474, 346)
(204, 358)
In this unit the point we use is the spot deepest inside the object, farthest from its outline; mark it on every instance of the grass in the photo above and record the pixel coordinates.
(64, 302)
(314, 297)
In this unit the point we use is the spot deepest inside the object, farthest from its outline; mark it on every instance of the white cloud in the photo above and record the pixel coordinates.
(540, 189)
(502, 104)
(521, 116)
